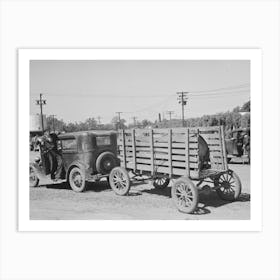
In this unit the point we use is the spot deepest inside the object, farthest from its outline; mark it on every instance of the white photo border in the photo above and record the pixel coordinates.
(255, 57)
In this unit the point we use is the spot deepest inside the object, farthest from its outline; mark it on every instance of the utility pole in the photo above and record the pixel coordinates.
(170, 113)
(134, 121)
(119, 119)
(41, 102)
(53, 121)
(182, 98)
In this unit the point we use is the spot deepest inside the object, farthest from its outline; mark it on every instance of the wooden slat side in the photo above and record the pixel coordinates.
(165, 163)
(123, 146)
(213, 142)
(170, 151)
(197, 133)
(165, 170)
(175, 130)
(158, 157)
(224, 153)
(134, 149)
(187, 156)
(192, 151)
(152, 151)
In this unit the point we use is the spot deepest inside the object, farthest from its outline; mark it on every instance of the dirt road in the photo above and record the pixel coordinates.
(144, 202)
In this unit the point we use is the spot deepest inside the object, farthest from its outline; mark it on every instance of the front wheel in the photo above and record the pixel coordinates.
(228, 186)
(185, 195)
(119, 181)
(33, 179)
(77, 180)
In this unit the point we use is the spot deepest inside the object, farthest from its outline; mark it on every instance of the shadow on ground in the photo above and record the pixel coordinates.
(97, 187)
(213, 200)
(207, 200)
(91, 186)
(163, 192)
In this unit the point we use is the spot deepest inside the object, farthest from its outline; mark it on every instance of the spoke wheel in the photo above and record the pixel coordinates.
(185, 195)
(33, 179)
(161, 182)
(229, 186)
(77, 180)
(119, 181)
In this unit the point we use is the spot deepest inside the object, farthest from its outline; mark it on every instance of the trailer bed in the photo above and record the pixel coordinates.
(173, 152)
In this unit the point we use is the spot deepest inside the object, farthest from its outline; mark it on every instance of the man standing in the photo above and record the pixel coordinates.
(57, 169)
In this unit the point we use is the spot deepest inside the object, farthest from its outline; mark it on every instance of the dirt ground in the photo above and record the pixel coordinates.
(58, 202)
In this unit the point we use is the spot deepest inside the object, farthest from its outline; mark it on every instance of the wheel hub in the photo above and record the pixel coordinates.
(226, 185)
(77, 180)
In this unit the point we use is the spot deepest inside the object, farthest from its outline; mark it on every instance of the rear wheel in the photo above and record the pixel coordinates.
(33, 179)
(77, 180)
(185, 195)
(119, 181)
(161, 182)
(228, 186)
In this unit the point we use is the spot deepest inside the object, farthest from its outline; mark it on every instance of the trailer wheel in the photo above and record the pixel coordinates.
(119, 181)
(228, 186)
(185, 195)
(161, 182)
(33, 179)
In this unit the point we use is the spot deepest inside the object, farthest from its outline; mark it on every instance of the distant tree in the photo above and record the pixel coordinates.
(245, 121)
(55, 124)
(246, 107)
(118, 124)
(146, 123)
(236, 109)
(71, 127)
(91, 124)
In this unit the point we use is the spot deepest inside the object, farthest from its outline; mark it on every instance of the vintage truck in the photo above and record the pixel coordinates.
(238, 144)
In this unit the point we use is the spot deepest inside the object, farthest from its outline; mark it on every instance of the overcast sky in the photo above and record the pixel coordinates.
(76, 90)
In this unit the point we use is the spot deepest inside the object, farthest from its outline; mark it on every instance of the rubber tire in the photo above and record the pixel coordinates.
(124, 173)
(186, 181)
(71, 182)
(99, 161)
(238, 188)
(35, 183)
(161, 186)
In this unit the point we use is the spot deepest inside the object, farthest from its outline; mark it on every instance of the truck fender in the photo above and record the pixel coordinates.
(79, 164)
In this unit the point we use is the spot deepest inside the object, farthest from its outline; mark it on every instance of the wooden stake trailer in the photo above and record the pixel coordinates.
(186, 154)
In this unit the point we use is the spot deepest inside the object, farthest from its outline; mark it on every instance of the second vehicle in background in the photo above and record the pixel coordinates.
(238, 144)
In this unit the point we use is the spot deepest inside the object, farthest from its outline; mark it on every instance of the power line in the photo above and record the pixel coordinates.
(90, 95)
(222, 88)
(78, 95)
(145, 109)
(216, 95)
